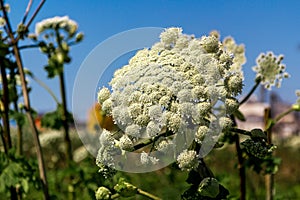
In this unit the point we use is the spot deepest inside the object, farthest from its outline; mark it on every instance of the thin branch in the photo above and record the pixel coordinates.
(241, 131)
(27, 11)
(28, 46)
(35, 13)
(278, 118)
(281, 115)
(64, 106)
(31, 19)
(42, 84)
(251, 92)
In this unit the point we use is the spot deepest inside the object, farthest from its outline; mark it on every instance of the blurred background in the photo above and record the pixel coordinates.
(270, 25)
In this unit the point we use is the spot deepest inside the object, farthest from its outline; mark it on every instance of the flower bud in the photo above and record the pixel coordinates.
(103, 193)
(79, 37)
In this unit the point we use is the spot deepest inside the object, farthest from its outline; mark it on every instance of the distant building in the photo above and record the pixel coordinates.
(253, 111)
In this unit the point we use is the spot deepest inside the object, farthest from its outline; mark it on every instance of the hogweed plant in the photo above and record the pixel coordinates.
(59, 33)
(18, 173)
(175, 102)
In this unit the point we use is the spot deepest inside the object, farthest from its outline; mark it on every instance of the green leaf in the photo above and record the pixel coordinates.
(52, 120)
(239, 115)
(209, 187)
(25, 185)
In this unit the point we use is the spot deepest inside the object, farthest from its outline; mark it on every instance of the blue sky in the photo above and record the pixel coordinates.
(260, 25)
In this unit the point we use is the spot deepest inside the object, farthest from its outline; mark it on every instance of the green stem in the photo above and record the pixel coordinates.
(278, 118)
(241, 167)
(64, 104)
(257, 82)
(281, 115)
(269, 178)
(65, 117)
(146, 194)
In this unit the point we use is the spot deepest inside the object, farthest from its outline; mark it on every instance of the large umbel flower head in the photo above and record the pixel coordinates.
(174, 87)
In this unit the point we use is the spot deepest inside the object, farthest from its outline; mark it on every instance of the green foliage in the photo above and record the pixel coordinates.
(53, 120)
(125, 189)
(17, 172)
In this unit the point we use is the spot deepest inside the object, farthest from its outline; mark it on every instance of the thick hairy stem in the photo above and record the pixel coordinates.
(5, 101)
(241, 167)
(269, 178)
(32, 124)
(27, 106)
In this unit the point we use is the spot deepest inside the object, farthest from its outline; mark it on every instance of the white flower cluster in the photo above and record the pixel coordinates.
(176, 84)
(237, 50)
(269, 70)
(64, 22)
(188, 160)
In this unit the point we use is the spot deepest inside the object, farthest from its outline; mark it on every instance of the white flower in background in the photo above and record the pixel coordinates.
(269, 70)
(235, 51)
(64, 23)
(173, 87)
